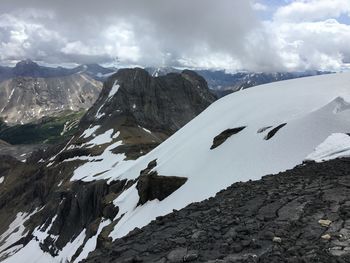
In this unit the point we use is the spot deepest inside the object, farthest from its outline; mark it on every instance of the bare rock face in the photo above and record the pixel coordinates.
(162, 104)
(24, 99)
(145, 110)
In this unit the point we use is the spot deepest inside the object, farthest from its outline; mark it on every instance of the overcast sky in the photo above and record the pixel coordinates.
(256, 35)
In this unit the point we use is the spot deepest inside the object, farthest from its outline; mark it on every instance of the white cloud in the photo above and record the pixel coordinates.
(307, 37)
(301, 34)
(259, 6)
(312, 10)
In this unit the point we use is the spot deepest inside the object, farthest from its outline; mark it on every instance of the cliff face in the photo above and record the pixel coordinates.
(162, 104)
(25, 99)
(143, 110)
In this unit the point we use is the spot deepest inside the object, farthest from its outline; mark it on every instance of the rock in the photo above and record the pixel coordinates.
(110, 211)
(153, 186)
(325, 222)
(177, 255)
(272, 133)
(198, 234)
(191, 256)
(179, 240)
(277, 240)
(231, 234)
(237, 247)
(326, 237)
(222, 137)
(42, 94)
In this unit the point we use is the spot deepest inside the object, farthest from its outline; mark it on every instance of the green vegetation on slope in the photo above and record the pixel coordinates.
(47, 130)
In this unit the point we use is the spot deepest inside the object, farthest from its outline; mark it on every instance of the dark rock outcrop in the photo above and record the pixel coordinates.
(222, 137)
(145, 110)
(272, 133)
(160, 104)
(153, 186)
(301, 215)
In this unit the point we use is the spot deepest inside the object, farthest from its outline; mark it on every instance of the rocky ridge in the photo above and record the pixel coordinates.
(51, 209)
(301, 215)
(144, 110)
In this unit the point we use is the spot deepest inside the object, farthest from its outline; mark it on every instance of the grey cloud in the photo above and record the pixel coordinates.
(148, 32)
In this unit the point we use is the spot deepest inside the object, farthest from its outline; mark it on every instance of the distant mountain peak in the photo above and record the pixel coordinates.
(27, 63)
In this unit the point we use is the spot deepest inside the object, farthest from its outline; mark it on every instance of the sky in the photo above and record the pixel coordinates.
(253, 35)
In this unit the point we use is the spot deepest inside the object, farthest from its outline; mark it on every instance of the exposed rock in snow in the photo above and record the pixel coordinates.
(272, 133)
(222, 137)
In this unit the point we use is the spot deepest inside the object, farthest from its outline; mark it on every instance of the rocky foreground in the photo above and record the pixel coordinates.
(301, 215)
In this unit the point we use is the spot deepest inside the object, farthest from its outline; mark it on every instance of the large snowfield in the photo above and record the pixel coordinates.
(313, 109)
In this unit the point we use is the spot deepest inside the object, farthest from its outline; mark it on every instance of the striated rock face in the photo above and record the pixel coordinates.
(24, 99)
(161, 104)
(301, 215)
(144, 110)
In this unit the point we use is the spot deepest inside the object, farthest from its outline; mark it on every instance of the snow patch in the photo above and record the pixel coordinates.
(103, 138)
(99, 167)
(114, 89)
(90, 131)
(335, 146)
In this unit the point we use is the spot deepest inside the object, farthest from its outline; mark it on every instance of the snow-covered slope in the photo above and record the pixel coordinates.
(313, 108)
(280, 124)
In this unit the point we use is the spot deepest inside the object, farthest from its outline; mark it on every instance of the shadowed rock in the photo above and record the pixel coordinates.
(222, 137)
(153, 186)
(274, 131)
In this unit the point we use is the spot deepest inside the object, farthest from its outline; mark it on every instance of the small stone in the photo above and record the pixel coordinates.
(198, 234)
(326, 237)
(277, 240)
(191, 256)
(231, 233)
(179, 240)
(237, 248)
(177, 255)
(325, 222)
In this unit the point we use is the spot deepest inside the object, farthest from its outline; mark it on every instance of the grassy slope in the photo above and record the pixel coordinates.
(47, 130)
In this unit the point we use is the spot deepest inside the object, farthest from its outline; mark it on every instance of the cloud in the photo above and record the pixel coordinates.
(308, 35)
(153, 32)
(299, 35)
(259, 6)
(312, 10)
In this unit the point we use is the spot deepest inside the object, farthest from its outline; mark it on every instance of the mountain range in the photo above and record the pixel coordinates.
(133, 114)
(222, 83)
(30, 91)
(121, 170)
